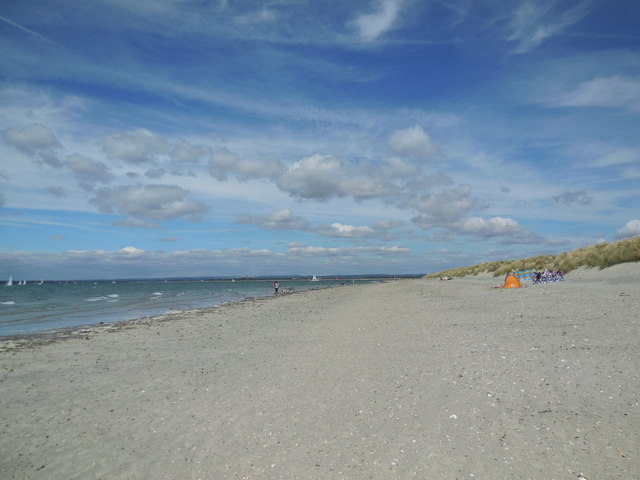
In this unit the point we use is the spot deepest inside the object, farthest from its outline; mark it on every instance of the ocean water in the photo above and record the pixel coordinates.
(33, 308)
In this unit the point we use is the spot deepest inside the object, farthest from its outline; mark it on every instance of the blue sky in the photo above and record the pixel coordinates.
(183, 137)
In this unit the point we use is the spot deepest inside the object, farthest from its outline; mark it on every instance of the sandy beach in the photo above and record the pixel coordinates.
(422, 379)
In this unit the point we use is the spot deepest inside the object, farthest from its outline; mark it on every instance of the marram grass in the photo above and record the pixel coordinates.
(601, 255)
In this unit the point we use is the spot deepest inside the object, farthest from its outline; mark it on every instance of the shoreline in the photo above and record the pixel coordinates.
(39, 337)
(408, 379)
(33, 339)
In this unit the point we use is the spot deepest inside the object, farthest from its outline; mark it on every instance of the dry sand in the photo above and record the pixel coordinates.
(408, 379)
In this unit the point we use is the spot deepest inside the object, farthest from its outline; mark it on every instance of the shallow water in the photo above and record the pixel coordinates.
(35, 308)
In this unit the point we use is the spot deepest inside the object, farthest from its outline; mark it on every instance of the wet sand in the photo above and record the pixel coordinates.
(420, 379)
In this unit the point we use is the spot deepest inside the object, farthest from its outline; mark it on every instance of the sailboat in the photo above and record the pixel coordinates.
(314, 279)
(10, 282)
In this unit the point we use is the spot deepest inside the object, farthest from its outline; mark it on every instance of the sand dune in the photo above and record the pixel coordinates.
(407, 379)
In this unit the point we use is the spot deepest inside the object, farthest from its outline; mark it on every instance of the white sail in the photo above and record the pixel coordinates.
(314, 279)
(10, 282)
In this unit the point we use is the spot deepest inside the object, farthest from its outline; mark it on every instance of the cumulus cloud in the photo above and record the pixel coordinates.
(88, 170)
(387, 224)
(223, 163)
(611, 92)
(136, 146)
(507, 229)
(159, 202)
(371, 25)
(414, 142)
(31, 139)
(285, 220)
(630, 229)
(322, 177)
(580, 197)
(281, 220)
(318, 176)
(341, 230)
(131, 251)
(443, 208)
(186, 152)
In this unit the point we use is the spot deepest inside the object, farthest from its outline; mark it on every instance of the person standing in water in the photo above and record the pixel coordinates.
(275, 287)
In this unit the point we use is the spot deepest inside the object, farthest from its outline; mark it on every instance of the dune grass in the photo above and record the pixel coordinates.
(601, 255)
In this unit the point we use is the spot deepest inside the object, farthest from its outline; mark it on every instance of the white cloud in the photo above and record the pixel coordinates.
(340, 230)
(136, 146)
(371, 25)
(535, 22)
(285, 220)
(322, 177)
(508, 229)
(443, 208)
(611, 92)
(630, 229)
(131, 251)
(414, 142)
(31, 139)
(281, 220)
(223, 163)
(160, 202)
(317, 177)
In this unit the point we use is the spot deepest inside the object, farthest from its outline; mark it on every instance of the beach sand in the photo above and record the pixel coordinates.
(408, 379)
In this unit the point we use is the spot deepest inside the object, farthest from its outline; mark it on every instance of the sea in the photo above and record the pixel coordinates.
(36, 307)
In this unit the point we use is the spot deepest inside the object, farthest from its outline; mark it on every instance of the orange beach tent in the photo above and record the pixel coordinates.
(511, 281)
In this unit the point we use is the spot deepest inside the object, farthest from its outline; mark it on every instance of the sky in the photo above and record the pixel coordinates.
(162, 138)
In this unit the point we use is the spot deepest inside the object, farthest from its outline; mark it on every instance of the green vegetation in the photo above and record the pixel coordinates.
(601, 255)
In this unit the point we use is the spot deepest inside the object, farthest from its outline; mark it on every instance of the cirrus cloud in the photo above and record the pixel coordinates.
(371, 25)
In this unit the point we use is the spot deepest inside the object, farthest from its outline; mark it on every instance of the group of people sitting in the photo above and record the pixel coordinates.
(547, 276)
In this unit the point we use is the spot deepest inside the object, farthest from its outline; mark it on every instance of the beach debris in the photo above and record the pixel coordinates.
(453, 417)
(582, 477)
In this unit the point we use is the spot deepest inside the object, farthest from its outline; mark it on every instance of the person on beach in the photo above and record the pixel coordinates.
(275, 287)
